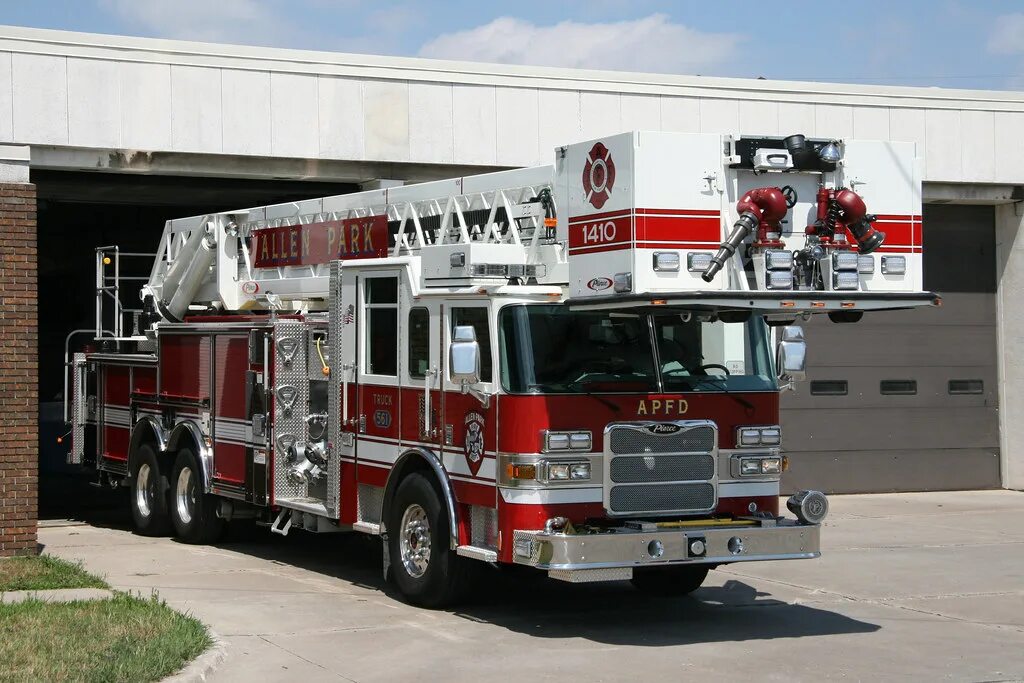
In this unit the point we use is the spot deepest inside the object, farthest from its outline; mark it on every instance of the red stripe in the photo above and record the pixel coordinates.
(677, 245)
(665, 229)
(594, 250)
(898, 216)
(621, 213)
(680, 212)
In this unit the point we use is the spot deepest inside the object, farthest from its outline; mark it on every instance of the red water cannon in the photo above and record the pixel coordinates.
(761, 209)
(844, 209)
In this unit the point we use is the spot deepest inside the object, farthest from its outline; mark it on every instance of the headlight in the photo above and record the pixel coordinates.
(750, 466)
(765, 465)
(566, 471)
(771, 466)
(567, 441)
(748, 437)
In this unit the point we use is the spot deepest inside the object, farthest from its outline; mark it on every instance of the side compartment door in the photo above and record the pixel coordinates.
(343, 399)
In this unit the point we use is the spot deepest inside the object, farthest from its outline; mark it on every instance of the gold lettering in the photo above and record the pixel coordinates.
(642, 408)
(353, 244)
(368, 237)
(294, 243)
(305, 243)
(330, 240)
(273, 246)
(683, 406)
(264, 248)
(655, 406)
(342, 246)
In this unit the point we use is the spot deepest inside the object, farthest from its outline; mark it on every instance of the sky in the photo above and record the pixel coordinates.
(944, 43)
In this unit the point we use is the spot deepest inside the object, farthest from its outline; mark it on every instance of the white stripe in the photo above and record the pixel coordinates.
(748, 489)
(536, 497)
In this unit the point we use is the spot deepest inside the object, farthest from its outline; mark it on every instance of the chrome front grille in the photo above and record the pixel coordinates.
(698, 439)
(662, 497)
(661, 468)
(641, 469)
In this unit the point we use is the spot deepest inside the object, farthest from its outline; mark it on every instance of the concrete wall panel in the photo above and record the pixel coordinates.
(196, 118)
(559, 116)
(833, 121)
(640, 112)
(40, 90)
(758, 117)
(518, 126)
(943, 156)
(6, 99)
(719, 116)
(246, 106)
(145, 106)
(871, 123)
(94, 103)
(431, 138)
(294, 115)
(979, 146)
(386, 120)
(340, 105)
(680, 114)
(475, 124)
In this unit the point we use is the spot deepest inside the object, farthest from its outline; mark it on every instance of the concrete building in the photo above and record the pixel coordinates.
(105, 137)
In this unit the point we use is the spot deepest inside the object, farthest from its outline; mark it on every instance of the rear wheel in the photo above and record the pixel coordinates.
(425, 567)
(670, 581)
(193, 512)
(149, 494)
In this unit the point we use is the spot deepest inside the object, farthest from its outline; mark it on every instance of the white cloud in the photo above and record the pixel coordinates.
(652, 44)
(1008, 36)
(235, 21)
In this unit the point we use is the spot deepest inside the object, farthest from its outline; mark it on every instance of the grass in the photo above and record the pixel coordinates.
(121, 638)
(124, 638)
(44, 572)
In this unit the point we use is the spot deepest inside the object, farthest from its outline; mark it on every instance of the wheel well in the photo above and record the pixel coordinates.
(423, 462)
(146, 433)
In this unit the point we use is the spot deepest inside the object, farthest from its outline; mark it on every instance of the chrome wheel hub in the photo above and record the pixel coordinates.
(185, 495)
(145, 485)
(414, 543)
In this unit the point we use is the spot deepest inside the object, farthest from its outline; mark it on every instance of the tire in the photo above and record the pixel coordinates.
(148, 497)
(670, 581)
(193, 512)
(434, 576)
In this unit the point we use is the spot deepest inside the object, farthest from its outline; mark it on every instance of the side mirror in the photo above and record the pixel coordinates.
(464, 356)
(791, 355)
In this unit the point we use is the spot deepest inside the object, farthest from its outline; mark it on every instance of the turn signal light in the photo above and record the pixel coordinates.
(521, 471)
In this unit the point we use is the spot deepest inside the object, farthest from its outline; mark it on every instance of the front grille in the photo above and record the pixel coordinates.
(638, 469)
(662, 497)
(699, 439)
(649, 471)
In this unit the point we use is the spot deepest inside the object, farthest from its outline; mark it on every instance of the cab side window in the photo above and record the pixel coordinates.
(381, 295)
(477, 317)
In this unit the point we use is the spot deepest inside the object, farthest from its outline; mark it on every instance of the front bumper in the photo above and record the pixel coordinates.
(614, 553)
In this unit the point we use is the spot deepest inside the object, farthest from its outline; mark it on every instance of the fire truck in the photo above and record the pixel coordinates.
(574, 367)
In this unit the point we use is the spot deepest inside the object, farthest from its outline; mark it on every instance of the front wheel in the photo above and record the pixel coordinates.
(425, 567)
(193, 512)
(149, 494)
(670, 581)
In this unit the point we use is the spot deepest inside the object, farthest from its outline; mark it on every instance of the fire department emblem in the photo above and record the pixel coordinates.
(474, 446)
(598, 175)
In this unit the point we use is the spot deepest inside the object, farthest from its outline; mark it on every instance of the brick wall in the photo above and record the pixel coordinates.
(19, 408)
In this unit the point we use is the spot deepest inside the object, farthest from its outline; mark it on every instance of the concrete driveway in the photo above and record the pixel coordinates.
(911, 586)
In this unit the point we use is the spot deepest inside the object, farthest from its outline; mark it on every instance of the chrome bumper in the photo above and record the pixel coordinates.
(627, 548)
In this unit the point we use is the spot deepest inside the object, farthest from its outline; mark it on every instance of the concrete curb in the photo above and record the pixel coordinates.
(203, 665)
(56, 595)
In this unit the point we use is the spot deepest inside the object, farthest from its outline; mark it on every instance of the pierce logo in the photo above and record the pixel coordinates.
(599, 283)
(598, 175)
(664, 428)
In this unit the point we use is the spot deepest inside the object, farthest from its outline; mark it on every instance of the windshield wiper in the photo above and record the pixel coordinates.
(724, 388)
(578, 387)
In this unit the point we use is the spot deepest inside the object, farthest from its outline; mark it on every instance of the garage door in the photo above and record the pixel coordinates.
(907, 400)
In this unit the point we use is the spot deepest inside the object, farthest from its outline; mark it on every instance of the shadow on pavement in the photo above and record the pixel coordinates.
(526, 601)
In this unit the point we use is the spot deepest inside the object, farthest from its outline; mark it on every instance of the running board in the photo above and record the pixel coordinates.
(477, 553)
(367, 528)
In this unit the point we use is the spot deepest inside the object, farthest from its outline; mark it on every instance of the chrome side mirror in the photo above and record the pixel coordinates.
(791, 355)
(464, 356)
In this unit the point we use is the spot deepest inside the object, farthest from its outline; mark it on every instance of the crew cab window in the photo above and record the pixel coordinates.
(381, 326)
(477, 317)
(419, 342)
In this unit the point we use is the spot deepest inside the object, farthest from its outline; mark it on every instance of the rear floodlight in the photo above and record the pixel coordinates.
(894, 265)
(698, 261)
(666, 261)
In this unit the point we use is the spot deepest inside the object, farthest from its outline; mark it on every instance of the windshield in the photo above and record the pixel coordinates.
(550, 349)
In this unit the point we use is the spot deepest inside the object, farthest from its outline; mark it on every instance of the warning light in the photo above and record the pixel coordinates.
(106, 260)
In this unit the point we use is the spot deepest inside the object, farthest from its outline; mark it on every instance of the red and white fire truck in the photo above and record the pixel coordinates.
(567, 367)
